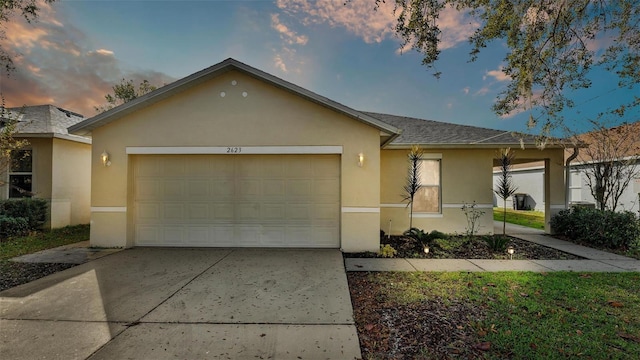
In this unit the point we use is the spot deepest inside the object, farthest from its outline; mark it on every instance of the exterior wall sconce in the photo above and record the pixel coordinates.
(360, 159)
(105, 158)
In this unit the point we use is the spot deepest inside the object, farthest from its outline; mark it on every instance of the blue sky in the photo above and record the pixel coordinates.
(78, 49)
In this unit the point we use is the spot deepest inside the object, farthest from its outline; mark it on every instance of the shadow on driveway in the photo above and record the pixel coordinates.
(185, 303)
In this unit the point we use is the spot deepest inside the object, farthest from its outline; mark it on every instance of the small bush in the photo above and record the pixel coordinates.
(33, 210)
(418, 235)
(608, 229)
(497, 243)
(10, 226)
(387, 251)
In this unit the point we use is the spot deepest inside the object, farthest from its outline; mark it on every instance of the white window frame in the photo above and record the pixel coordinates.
(10, 173)
(438, 158)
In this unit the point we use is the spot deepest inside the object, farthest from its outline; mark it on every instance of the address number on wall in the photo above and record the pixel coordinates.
(234, 150)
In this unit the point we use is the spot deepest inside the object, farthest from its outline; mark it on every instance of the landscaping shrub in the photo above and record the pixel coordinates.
(497, 243)
(388, 251)
(33, 210)
(613, 230)
(10, 226)
(424, 238)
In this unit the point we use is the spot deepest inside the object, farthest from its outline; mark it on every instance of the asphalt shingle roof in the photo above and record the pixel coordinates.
(44, 119)
(420, 131)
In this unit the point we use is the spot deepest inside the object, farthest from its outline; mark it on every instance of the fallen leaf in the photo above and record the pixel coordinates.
(484, 346)
(524, 294)
(359, 266)
(491, 284)
(263, 335)
(533, 346)
(615, 304)
(368, 327)
(579, 332)
(586, 276)
(482, 333)
(629, 337)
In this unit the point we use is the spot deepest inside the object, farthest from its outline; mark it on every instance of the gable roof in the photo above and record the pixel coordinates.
(86, 126)
(45, 121)
(430, 133)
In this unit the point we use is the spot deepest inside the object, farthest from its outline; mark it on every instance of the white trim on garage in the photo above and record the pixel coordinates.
(231, 150)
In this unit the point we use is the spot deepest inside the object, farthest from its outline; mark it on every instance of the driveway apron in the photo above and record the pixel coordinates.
(166, 303)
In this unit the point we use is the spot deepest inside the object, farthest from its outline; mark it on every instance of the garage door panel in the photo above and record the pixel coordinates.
(237, 200)
(273, 211)
(174, 212)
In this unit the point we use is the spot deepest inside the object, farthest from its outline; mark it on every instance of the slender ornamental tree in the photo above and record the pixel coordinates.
(8, 142)
(610, 161)
(505, 187)
(412, 186)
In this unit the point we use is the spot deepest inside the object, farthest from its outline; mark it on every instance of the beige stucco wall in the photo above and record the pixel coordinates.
(61, 175)
(71, 183)
(466, 177)
(267, 116)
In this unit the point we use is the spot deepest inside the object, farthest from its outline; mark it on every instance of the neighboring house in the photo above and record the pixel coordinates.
(232, 156)
(54, 165)
(529, 178)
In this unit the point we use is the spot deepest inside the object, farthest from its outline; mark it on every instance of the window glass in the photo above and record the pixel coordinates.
(21, 176)
(427, 199)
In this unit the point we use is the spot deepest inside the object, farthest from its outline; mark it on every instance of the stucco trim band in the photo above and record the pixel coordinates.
(360, 210)
(231, 150)
(459, 206)
(109, 209)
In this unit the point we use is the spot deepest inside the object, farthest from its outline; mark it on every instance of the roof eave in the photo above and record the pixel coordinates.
(85, 127)
(395, 146)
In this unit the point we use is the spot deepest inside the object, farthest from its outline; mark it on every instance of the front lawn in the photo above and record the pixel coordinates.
(22, 245)
(17, 273)
(532, 219)
(507, 315)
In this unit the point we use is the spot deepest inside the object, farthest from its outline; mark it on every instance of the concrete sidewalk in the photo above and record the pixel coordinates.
(595, 260)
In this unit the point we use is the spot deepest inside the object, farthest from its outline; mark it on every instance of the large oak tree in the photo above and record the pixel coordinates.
(551, 47)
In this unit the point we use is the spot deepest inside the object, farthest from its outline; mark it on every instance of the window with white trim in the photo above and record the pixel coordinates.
(427, 199)
(21, 174)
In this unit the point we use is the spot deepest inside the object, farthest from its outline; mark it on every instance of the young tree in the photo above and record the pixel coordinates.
(28, 9)
(610, 161)
(124, 92)
(551, 46)
(412, 186)
(8, 142)
(505, 186)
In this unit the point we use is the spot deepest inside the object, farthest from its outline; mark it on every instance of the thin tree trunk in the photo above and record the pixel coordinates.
(504, 217)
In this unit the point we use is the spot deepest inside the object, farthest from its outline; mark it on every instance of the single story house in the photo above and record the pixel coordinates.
(54, 165)
(529, 177)
(232, 156)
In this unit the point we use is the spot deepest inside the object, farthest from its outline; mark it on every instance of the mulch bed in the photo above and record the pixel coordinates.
(459, 247)
(18, 273)
(429, 329)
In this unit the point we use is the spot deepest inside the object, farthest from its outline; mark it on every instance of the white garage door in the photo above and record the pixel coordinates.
(237, 200)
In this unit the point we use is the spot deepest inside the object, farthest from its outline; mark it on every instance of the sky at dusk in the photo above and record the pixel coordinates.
(77, 50)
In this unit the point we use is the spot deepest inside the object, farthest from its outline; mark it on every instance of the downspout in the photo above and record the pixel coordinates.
(567, 176)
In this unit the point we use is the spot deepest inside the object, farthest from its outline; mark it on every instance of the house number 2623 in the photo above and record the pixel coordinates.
(234, 150)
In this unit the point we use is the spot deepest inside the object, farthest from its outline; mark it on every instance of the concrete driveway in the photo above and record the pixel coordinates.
(166, 303)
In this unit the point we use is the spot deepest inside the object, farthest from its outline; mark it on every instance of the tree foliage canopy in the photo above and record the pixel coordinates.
(552, 45)
(28, 9)
(124, 92)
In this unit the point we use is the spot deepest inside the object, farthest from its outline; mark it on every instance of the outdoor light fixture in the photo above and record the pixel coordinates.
(360, 159)
(511, 250)
(426, 249)
(105, 158)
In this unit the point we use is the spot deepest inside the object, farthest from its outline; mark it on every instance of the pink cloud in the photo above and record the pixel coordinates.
(54, 65)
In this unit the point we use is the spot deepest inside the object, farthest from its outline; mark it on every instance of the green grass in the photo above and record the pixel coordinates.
(532, 219)
(537, 316)
(42, 240)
